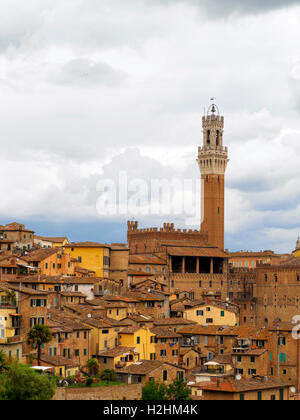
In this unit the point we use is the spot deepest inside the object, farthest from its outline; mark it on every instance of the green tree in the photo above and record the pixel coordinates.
(178, 391)
(154, 391)
(23, 383)
(38, 335)
(92, 366)
(109, 375)
(3, 361)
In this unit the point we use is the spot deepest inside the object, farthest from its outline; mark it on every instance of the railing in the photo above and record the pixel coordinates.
(241, 348)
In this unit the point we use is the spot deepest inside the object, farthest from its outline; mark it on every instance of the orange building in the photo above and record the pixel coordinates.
(51, 262)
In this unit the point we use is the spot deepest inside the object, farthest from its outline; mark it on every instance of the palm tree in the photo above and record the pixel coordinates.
(11, 297)
(38, 335)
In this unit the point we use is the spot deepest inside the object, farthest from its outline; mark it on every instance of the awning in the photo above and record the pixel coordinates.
(212, 364)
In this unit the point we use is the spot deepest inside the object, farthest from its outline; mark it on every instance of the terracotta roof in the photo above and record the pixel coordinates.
(16, 227)
(58, 239)
(173, 321)
(86, 245)
(251, 352)
(117, 351)
(83, 270)
(252, 384)
(252, 254)
(196, 252)
(146, 259)
(41, 254)
(56, 280)
(139, 273)
(164, 332)
(59, 361)
(130, 330)
(239, 332)
(143, 367)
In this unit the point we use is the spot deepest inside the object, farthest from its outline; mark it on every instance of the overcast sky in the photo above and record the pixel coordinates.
(91, 87)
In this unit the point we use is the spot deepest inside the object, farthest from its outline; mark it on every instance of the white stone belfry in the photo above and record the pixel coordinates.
(212, 156)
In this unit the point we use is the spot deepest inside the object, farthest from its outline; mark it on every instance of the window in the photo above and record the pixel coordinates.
(138, 340)
(252, 372)
(281, 341)
(282, 357)
(252, 359)
(209, 321)
(208, 309)
(281, 394)
(165, 375)
(259, 396)
(104, 331)
(242, 397)
(273, 398)
(239, 358)
(163, 353)
(222, 314)
(200, 313)
(152, 356)
(77, 353)
(79, 259)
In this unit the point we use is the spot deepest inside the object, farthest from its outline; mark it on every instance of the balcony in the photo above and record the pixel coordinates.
(241, 348)
(188, 343)
(11, 340)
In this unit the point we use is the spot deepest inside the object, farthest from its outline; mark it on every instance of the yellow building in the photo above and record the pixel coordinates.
(212, 314)
(118, 357)
(10, 339)
(117, 311)
(91, 255)
(141, 339)
(61, 366)
(51, 242)
(103, 335)
(297, 250)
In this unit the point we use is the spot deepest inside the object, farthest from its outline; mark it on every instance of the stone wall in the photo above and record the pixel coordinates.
(106, 393)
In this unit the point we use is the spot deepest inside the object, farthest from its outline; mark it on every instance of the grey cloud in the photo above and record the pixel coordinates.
(217, 8)
(84, 73)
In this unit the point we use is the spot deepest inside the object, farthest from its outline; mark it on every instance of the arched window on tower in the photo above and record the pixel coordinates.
(208, 136)
(218, 138)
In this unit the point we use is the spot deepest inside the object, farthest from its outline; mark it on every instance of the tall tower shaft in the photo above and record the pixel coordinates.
(213, 160)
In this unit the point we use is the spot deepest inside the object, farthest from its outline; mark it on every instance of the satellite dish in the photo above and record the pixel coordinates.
(293, 390)
(238, 377)
(89, 316)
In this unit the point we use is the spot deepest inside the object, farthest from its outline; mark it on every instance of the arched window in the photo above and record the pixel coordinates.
(208, 136)
(218, 138)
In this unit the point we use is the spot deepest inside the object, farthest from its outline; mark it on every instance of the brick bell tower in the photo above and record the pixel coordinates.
(213, 160)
